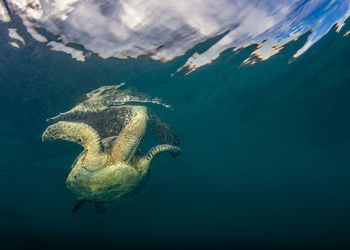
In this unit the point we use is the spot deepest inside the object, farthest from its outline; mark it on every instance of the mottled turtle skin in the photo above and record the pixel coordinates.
(110, 168)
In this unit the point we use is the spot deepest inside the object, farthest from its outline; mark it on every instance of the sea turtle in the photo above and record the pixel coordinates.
(110, 167)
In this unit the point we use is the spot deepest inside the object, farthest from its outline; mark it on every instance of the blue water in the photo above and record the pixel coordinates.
(264, 162)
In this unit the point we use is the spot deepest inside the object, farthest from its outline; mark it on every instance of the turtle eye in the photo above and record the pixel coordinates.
(79, 140)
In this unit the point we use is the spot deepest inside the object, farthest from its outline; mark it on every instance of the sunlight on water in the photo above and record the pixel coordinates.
(167, 30)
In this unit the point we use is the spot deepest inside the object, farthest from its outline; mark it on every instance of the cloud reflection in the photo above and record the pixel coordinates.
(167, 29)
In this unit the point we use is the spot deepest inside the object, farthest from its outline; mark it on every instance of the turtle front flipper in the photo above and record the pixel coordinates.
(130, 137)
(76, 132)
(162, 148)
(145, 161)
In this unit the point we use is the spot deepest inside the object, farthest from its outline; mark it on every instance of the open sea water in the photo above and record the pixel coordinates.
(264, 163)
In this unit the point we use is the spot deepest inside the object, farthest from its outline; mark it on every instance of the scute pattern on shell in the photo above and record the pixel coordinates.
(105, 110)
(108, 122)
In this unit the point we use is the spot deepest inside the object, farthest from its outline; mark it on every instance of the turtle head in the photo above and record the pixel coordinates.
(89, 162)
(80, 161)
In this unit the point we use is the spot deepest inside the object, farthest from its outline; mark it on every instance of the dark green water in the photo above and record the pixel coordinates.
(265, 160)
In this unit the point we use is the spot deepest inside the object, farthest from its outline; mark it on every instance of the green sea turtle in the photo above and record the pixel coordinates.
(110, 167)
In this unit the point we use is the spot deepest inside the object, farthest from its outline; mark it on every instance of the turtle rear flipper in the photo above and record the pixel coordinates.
(161, 131)
(77, 204)
(102, 207)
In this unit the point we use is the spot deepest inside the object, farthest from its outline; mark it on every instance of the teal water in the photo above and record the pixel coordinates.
(264, 163)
